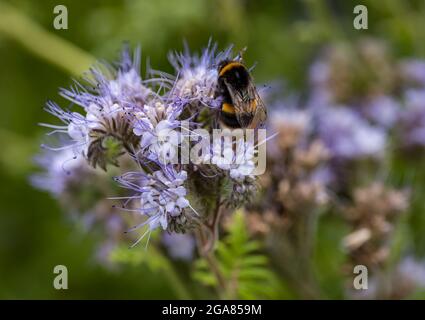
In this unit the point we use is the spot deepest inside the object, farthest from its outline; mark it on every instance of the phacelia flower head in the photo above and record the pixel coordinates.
(345, 72)
(142, 123)
(372, 216)
(158, 126)
(196, 79)
(412, 72)
(346, 135)
(412, 124)
(382, 111)
(60, 168)
(162, 196)
(109, 96)
(292, 125)
(179, 246)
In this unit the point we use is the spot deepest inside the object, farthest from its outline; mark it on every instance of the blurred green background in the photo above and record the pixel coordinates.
(35, 60)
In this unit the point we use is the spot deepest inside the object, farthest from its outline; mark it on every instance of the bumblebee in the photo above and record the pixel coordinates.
(241, 105)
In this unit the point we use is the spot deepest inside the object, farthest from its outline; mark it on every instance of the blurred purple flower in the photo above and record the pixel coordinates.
(382, 110)
(413, 71)
(59, 168)
(319, 73)
(348, 136)
(412, 270)
(179, 246)
(413, 119)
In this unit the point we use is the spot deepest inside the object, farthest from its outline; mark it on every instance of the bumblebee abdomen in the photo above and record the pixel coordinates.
(228, 115)
(229, 119)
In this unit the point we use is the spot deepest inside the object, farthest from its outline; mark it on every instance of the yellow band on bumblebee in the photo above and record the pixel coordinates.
(228, 107)
(229, 66)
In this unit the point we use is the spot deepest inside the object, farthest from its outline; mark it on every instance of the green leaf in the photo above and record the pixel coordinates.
(244, 267)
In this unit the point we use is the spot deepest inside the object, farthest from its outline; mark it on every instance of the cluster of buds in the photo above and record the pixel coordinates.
(372, 215)
(361, 90)
(292, 185)
(347, 72)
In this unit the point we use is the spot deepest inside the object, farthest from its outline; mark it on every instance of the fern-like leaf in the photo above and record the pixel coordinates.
(244, 268)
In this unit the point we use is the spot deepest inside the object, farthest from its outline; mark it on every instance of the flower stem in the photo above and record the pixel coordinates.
(208, 254)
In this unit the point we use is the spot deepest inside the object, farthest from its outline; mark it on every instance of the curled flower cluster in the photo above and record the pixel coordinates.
(333, 152)
(290, 185)
(146, 123)
(372, 215)
(362, 88)
(351, 98)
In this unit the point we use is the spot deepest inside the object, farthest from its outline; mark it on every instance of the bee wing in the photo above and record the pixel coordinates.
(250, 109)
(242, 103)
(260, 113)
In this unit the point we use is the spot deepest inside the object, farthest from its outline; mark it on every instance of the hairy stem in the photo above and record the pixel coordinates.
(208, 255)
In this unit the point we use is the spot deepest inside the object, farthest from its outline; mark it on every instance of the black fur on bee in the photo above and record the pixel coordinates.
(241, 105)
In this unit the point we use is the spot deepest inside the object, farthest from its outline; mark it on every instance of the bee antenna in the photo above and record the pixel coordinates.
(241, 53)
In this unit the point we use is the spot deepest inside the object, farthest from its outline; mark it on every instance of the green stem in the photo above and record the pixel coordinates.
(20, 28)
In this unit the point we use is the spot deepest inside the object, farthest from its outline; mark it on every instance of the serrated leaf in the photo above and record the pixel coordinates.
(206, 278)
(242, 265)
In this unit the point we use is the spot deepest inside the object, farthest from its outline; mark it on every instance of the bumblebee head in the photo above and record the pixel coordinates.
(238, 58)
(222, 64)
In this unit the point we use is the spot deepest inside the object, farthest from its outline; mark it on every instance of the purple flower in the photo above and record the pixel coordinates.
(413, 71)
(412, 270)
(296, 119)
(157, 126)
(319, 74)
(106, 85)
(235, 157)
(348, 136)
(196, 79)
(59, 169)
(413, 119)
(179, 246)
(145, 121)
(161, 196)
(382, 110)
(109, 97)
